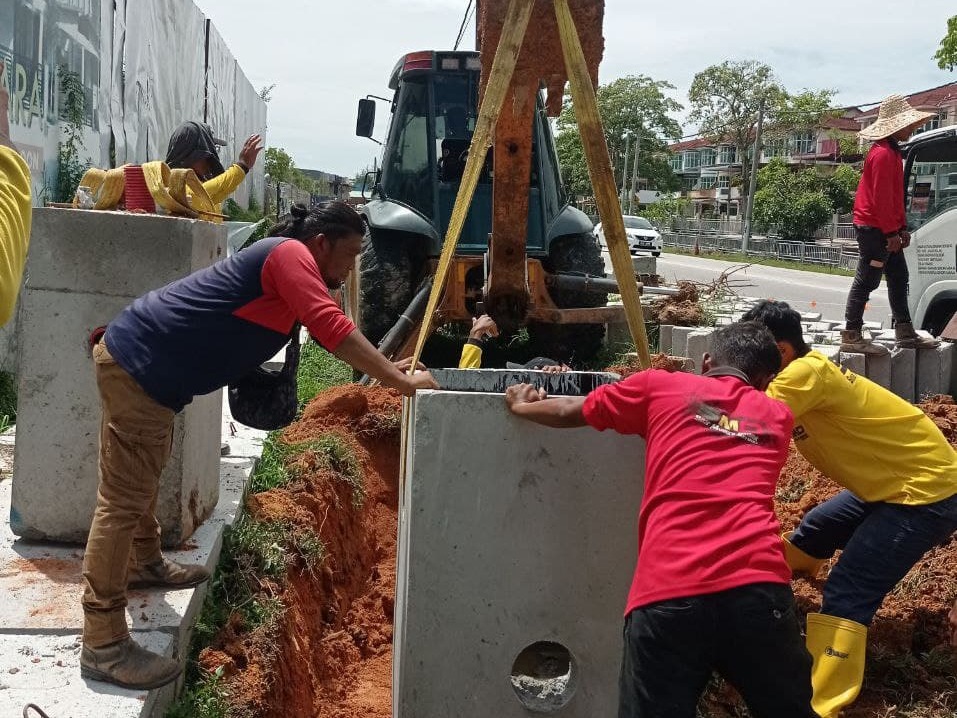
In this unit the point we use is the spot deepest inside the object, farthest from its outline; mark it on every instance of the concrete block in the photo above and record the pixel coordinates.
(831, 351)
(820, 326)
(489, 544)
(853, 362)
(872, 326)
(101, 261)
(679, 340)
(665, 338)
(934, 367)
(645, 265)
(699, 343)
(618, 336)
(878, 369)
(904, 373)
(810, 316)
(723, 320)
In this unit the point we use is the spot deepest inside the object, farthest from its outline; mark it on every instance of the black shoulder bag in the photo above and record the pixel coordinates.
(266, 399)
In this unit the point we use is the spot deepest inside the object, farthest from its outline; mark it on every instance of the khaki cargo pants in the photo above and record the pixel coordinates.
(135, 442)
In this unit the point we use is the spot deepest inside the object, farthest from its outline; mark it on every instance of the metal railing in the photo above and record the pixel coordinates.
(822, 252)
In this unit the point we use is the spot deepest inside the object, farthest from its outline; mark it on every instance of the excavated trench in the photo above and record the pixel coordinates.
(331, 655)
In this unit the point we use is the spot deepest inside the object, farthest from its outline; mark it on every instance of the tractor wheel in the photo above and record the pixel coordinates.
(385, 283)
(572, 343)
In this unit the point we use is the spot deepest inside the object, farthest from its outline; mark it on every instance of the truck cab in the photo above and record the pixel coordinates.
(930, 172)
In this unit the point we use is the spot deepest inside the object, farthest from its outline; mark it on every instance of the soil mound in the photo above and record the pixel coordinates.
(658, 361)
(682, 309)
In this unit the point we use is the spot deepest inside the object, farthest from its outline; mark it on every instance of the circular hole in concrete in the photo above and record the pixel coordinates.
(544, 677)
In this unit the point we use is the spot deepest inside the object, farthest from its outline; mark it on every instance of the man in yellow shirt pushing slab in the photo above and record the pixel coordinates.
(900, 498)
(15, 214)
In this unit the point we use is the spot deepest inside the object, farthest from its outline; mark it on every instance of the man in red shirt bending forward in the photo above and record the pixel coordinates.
(711, 591)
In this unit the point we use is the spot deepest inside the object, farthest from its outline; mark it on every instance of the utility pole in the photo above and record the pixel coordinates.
(634, 171)
(624, 173)
(753, 180)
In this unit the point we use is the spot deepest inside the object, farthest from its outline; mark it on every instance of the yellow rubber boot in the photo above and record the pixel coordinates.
(837, 646)
(800, 562)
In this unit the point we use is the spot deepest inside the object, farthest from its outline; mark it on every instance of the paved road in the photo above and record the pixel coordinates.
(805, 291)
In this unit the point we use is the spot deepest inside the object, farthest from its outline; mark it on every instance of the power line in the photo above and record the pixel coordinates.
(465, 20)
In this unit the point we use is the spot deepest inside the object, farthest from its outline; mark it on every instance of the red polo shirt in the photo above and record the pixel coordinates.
(715, 448)
(879, 201)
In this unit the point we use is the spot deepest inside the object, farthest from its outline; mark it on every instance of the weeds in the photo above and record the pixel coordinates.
(8, 397)
(319, 370)
(208, 700)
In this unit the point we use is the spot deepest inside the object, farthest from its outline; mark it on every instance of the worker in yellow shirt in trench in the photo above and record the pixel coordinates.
(900, 476)
(483, 329)
(193, 146)
(15, 214)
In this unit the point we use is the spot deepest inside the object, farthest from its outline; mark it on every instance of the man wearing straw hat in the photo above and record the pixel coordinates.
(881, 224)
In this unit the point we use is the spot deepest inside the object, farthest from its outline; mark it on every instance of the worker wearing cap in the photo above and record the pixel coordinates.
(194, 147)
(900, 476)
(15, 214)
(711, 591)
(881, 224)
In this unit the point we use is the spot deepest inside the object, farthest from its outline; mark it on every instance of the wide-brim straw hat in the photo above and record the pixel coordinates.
(895, 115)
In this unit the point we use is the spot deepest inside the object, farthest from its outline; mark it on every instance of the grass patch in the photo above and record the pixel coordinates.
(319, 370)
(741, 258)
(208, 701)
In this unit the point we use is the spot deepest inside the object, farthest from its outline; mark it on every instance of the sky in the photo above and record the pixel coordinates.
(324, 55)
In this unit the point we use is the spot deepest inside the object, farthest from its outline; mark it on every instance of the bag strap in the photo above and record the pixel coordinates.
(291, 364)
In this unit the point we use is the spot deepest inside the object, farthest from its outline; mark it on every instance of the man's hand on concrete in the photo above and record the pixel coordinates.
(251, 149)
(556, 369)
(416, 381)
(894, 243)
(523, 394)
(483, 327)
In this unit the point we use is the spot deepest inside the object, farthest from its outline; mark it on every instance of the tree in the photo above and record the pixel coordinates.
(947, 53)
(634, 104)
(725, 100)
(279, 165)
(797, 204)
(265, 92)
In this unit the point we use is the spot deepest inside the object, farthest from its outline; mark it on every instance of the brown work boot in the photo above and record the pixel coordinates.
(127, 664)
(853, 342)
(907, 338)
(168, 574)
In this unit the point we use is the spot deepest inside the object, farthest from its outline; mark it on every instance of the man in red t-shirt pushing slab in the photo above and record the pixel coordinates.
(711, 592)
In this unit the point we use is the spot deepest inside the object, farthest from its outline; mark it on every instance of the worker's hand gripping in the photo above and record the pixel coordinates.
(523, 394)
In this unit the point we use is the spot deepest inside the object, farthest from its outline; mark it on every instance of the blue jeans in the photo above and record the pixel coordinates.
(881, 542)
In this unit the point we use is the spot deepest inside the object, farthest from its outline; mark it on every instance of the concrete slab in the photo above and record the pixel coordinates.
(490, 543)
(83, 268)
(45, 670)
(645, 265)
(679, 340)
(665, 338)
(853, 362)
(829, 350)
(810, 316)
(699, 343)
(878, 369)
(904, 373)
(934, 369)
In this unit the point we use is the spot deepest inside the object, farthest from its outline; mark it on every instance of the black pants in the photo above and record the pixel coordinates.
(748, 635)
(875, 261)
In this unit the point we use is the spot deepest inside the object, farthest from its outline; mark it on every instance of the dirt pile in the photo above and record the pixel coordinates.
(332, 657)
(682, 309)
(658, 361)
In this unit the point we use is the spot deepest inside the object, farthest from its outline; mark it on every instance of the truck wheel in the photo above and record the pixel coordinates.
(935, 321)
(573, 343)
(385, 283)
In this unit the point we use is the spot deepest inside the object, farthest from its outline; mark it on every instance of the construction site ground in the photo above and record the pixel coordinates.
(327, 652)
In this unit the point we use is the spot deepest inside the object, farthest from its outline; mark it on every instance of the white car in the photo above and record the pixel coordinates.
(642, 236)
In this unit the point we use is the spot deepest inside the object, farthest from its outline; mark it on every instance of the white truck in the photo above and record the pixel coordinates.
(930, 169)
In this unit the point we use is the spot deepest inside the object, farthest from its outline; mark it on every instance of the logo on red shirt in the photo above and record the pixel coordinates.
(717, 420)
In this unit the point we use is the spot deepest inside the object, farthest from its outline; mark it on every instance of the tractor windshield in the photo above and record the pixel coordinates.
(431, 130)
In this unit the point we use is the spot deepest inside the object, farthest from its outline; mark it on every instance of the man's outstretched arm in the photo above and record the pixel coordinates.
(564, 412)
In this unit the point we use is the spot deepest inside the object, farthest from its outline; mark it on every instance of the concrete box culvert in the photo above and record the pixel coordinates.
(510, 535)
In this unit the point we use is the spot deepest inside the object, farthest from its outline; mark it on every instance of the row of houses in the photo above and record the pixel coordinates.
(710, 169)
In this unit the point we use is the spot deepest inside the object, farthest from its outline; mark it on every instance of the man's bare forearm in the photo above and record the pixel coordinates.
(563, 412)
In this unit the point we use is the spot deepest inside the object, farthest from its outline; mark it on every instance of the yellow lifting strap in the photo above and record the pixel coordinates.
(602, 177)
(503, 67)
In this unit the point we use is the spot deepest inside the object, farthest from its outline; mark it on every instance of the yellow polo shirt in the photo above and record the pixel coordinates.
(15, 217)
(471, 357)
(864, 437)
